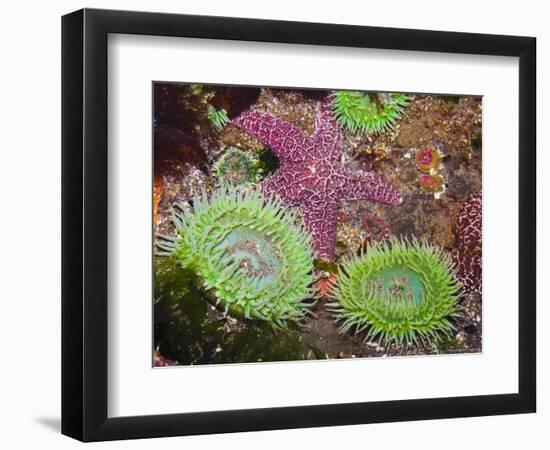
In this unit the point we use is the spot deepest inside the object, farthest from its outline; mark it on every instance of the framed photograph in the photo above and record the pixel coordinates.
(274, 225)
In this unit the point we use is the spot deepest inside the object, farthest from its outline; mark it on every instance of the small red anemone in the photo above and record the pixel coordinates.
(430, 182)
(427, 158)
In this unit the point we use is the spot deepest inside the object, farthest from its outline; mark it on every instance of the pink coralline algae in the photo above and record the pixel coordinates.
(467, 253)
(311, 174)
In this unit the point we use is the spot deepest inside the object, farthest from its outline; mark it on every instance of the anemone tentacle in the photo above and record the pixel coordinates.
(399, 291)
(218, 118)
(237, 167)
(368, 112)
(252, 258)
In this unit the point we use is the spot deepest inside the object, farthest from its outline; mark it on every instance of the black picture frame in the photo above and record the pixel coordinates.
(84, 224)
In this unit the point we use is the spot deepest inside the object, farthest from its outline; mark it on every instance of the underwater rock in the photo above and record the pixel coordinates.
(235, 99)
(173, 144)
(268, 162)
(181, 182)
(176, 106)
(158, 192)
(467, 252)
(399, 292)
(376, 228)
(456, 125)
(460, 188)
(249, 255)
(313, 94)
(348, 239)
(311, 174)
(441, 232)
(192, 331)
(405, 229)
(161, 361)
(325, 284)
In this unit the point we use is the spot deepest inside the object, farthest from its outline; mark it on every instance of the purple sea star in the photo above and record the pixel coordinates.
(467, 253)
(311, 174)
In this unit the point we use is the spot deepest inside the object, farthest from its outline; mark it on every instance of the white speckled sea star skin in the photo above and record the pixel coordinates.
(467, 254)
(311, 175)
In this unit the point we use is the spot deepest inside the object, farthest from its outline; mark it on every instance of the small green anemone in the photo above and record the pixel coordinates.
(399, 291)
(368, 112)
(219, 118)
(252, 259)
(237, 167)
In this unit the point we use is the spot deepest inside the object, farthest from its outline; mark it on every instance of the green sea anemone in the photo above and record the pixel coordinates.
(368, 112)
(236, 167)
(219, 118)
(399, 291)
(252, 258)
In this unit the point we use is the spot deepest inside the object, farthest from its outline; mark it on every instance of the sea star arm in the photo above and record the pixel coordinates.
(326, 134)
(359, 185)
(288, 142)
(320, 219)
(282, 184)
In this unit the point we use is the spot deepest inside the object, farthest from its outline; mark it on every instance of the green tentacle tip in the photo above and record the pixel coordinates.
(252, 259)
(399, 292)
(237, 167)
(368, 112)
(219, 118)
